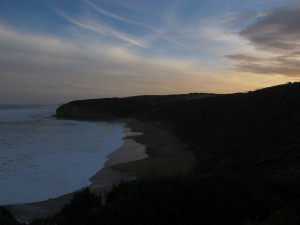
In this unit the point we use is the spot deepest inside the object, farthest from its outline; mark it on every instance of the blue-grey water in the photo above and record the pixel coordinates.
(42, 157)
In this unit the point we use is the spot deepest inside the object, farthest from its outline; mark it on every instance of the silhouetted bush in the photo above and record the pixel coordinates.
(284, 216)
(78, 209)
(210, 201)
(6, 218)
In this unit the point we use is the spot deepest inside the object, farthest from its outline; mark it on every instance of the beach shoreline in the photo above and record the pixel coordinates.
(147, 151)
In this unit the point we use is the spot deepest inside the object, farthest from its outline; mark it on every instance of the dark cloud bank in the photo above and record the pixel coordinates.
(277, 32)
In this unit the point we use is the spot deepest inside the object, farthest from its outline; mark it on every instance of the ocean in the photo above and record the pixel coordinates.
(42, 157)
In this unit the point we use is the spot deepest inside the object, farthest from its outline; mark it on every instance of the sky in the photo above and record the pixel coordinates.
(55, 51)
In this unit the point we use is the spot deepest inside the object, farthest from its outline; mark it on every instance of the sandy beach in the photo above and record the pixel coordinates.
(148, 151)
(167, 155)
(128, 152)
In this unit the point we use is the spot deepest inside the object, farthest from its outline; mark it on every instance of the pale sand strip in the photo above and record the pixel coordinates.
(128, 152)
(167, 155)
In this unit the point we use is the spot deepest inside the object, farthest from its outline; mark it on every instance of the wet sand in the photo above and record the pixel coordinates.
(153, 153)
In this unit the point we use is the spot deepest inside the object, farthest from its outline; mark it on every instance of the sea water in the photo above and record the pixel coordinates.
(42, 157)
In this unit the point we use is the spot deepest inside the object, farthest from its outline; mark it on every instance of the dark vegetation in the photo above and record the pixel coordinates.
(247, 172)
(184, 201)
(6, 218)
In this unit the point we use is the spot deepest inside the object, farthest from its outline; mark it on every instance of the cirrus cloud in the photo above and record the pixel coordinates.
(63, 70)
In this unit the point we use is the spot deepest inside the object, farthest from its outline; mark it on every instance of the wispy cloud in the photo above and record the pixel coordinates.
(32, 63)
(102, 29)
(154, 32)
(169, 32)
(116, 16)
(10, 41)
(280, 65)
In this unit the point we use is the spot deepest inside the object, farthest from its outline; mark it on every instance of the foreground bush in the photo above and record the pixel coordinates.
(209, 201)
(6, 218)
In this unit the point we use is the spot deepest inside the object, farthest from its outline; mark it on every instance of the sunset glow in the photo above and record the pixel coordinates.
(55, 51)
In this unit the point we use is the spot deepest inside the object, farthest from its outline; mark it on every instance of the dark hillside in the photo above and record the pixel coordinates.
(112, 108)
(255, 133)
(247, 170)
